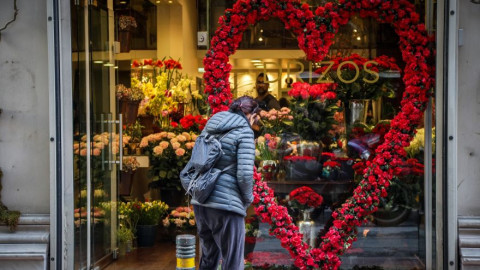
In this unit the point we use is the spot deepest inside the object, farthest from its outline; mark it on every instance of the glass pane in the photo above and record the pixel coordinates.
(93, 86)
(79, 131)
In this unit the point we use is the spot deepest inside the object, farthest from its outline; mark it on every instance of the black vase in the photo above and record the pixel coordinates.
(146, 235)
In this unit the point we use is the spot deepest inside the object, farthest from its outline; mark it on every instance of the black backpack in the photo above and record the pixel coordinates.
(199, 175)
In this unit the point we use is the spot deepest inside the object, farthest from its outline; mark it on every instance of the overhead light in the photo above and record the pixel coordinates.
(260, 39)
(355, 30)
(158, 2)
(255, 61)
(261, 30)
(359, 38)
(261, 66)
(98, 62)
(170, 1)
(109, 65)
(257, 64)
(123, 2)
(115, 67)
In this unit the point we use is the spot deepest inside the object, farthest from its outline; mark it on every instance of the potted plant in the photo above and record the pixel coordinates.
(305, 199)
(130, 166)
(129, 101)
(252, 234)
(126, 25)
(135, 133)
(169, 152)
(266, 147)
(125, 238)
(149, 216)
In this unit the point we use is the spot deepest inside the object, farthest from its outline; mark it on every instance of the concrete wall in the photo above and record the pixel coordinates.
(24, 145)
(469, 110)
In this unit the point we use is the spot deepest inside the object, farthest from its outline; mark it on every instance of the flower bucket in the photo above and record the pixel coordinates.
(125, 38)
(125, 185)
(302, 170)
(131, 112)
(358, 110)
(146, 235)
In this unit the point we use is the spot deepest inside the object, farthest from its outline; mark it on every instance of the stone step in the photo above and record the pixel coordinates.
(24, 256)
(470, 232)
(469, 222)
(28, 236)
(31, 229)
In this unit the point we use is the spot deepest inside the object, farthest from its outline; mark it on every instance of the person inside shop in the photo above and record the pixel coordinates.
(266, 101)
(220, 219)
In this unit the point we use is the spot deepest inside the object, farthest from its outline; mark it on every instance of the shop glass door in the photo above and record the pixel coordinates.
(97, 133)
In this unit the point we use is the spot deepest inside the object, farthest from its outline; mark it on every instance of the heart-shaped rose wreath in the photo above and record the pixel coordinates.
(315, 32)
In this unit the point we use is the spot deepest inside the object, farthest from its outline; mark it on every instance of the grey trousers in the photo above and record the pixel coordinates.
(222, 236)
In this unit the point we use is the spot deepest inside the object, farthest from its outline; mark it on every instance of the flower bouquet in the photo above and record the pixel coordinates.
(304, 198)
(168, 93)
(276, 121)
(266, 152)
(313, 108)
(181, 219)
(126, 23)
(149, 213)
(192, 123)
(169, 152)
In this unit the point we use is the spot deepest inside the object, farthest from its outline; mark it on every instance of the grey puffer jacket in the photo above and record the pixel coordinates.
(234, 188)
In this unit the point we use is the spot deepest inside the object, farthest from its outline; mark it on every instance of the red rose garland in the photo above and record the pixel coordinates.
(315, 41)
(314, 36)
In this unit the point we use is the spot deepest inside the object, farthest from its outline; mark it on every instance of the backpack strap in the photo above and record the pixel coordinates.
(228, 167)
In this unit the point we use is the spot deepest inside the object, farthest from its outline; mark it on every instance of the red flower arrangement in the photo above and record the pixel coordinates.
(193, 123)
(315, 35)
(317, 91)
(298, 158)
(305, 197)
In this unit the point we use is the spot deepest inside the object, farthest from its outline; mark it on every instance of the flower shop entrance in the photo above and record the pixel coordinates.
(97, 136)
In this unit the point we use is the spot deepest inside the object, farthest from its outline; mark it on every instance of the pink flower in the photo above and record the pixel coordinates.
(180, 152)
(164, 144)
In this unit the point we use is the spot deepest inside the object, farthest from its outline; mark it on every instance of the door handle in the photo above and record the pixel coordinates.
(120, 140)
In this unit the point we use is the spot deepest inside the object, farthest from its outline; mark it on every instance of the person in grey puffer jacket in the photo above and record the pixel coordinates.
(220, 219)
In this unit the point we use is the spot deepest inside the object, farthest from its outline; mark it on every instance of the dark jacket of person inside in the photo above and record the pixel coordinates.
(266, 101)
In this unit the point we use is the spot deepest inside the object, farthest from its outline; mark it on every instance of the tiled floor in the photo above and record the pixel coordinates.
(159, 257)
(399, 247)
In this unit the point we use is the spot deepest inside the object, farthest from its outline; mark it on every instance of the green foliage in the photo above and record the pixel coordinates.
(10, 218)
(124, 234)
(134, 131)
(313, 118)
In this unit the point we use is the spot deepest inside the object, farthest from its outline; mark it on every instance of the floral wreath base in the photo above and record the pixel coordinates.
(315, 32)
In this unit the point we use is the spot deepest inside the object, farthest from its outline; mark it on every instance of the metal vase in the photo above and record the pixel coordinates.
(306, 226)
(358, 110)
(377, 110)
